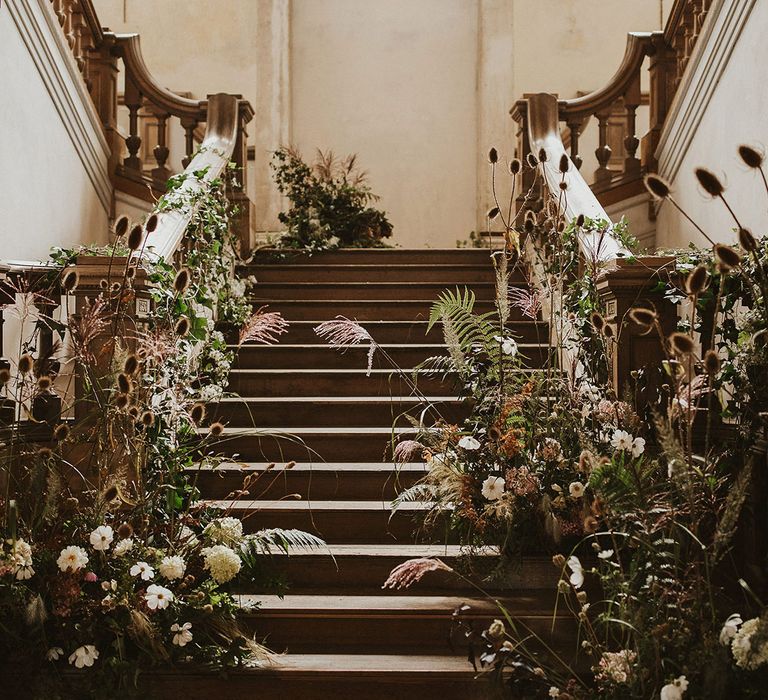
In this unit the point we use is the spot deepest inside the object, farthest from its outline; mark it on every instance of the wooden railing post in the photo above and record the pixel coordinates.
(7, 405)
(239, 193)
(662, 69)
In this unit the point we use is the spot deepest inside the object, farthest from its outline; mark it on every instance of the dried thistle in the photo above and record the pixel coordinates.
(124, 384)
(751, 156)
(747, 240)
(197, 413)
(135, 237)
(597, 321)
(70, 279)
(263, 327)
(711, 362)
(531, 159)
(121, 401)
(709, 182)
(515, 166)
(493, 212)
(5, 376)
(412, 571)
(681, 344)
(125, 531)
(151, 223)
(147, 418)
(131, 365)
(696, 282)
(182, 326)
(25, 363)
(61, 432)
(181, 281)
(121, 226)
(565, 163)
(643, 317)
(726, 256)
(657, 186)
(542, 155)
(493, 156)
(580, 220)
(216, 429)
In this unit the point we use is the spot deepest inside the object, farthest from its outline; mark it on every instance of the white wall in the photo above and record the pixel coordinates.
(47, 196)
(721, 104)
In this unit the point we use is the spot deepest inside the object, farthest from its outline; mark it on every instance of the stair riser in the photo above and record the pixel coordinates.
(447, 276)
(268, 384)
(324, 357)
(345, 485)
(359, 310)
(391, 256)
(372, 634)
(288, 414)
(361, 292)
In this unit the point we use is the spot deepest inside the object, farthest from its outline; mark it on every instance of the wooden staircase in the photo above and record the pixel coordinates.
(343, 636)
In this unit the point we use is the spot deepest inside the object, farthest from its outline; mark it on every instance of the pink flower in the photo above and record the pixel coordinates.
(91, 577)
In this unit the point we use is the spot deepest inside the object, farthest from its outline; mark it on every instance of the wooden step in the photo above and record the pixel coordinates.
(380, 624)
(337, 522)
(446, 274)
(376, 256)
(334, 411)
(359, 309)
(317, 481)
(362, 291)
(311, 356)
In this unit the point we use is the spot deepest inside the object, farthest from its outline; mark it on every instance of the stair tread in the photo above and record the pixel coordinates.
(272, 432)
(310, 505)
(334, 399)
(370, 664)
(244, 467)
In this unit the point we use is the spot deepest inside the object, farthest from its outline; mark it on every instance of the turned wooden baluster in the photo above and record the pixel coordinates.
(189, 124)
(160, 151)
(133, 102)
(603, 151)
(575, 125)
(7, 405)
(632, 101)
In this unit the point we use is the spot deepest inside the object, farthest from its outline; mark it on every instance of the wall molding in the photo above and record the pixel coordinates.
(47, 46)
(722, 28)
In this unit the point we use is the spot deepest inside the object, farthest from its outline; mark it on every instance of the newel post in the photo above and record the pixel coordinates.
(238, 194)
(103, 72)
(635, 282)
(662, 68)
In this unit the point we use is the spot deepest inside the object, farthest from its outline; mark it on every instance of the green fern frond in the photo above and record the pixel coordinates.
(266, 541)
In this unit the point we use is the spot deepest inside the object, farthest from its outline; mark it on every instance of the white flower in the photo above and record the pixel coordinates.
(605, 554)
(493, 488)
(109, 585)
(675, 689)
(141, 568)
(741, 646)
(577, 572)
(54, 653)
(20, 558)
(123, 547)
(172, 567)
(227, 531)
(183, 636)
(72, 558)
(222, 562)
(554, 691)
(102, 537)
(469, 443)
(84, 656)
(622, 440)
(576, 489)
(730, 628)
(187, 536)
(157, 597)
(638, 447)
(508, 345)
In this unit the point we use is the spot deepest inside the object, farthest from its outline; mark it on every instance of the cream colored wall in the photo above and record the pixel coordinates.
(420, 89)
(46, 195)
(735, 114)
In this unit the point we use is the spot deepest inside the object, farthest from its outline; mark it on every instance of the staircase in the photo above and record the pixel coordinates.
(343, 636)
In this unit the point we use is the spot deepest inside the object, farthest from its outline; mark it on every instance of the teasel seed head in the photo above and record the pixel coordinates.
(751, 156)
(565, 163)
(26, 363)
(290, 465)
(531, 159)
(121, 226)
(563, 185)
(515, 166)
(681, 343)
(542, 155)
(709, 182)
(643, 317)
(493, 212)
(5, 376)
(657, 186)
(70, 279)
(181, 281)
(608, 331)
(131, 365)
(216, 429)
(130, 273)
(44, 383)
(124, 383)
(493, 156)
(598, 322)
(151, 223)
(61, 432)
(148, 418)
(103, 284)
(529, 223)
(133, 412)
(135, 238)
(45, 453)
(580, 220)
(697, 281)
(121, 401)
(197, 413)
(115, 287)
(124, 531)
(747, 240)
(182, 326)
(560, 226)
(110, 494)
(726, 256)
(711, 362)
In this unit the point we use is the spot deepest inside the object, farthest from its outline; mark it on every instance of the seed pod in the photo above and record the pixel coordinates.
(560, 226)
(542, 155)
(598, 322)
(5, 376)
(121, 226)
(133, 412)
(531, 159)
(493, 156)
(563, 186)
(290, 465)
(608, 331)
(121, 401)
(45, 453)
(643, 317)
(182, 326)
(529, 223)
(751, 156)
(747, 240)
(115, 286)
(25, 363)
(559, 561)
(131, 365)
(110, 494)
(181, 281)
(103, 284)
(216, 429)
(726, 256)
(130, 273)
(151, 223)
(580, 220)
(148, 418)
(709, 182)
(135, 237)
(657, 186)
(197, 413)
(124, 531)
(565, 163)
(696, 282)
(681, 344)
(493, 213)
(61, 432)
(124, 383)
(515, 166)
(70, 279)
(711, 362)
(44, 383)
